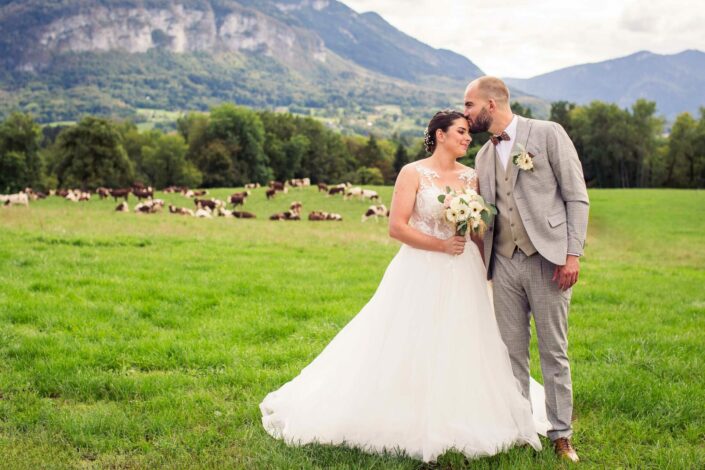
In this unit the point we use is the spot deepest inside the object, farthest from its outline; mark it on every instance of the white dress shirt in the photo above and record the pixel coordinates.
(504, 147)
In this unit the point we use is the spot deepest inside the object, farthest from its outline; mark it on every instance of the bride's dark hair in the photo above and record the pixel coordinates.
(441, 120)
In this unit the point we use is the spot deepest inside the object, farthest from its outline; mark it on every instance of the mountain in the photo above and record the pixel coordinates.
(675, 82)
(59, 60)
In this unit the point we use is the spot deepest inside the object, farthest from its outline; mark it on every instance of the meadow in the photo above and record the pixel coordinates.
(147, 341)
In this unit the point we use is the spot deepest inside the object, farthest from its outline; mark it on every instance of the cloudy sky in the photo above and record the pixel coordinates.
(523, 38)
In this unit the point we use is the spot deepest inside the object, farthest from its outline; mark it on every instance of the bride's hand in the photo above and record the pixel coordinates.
(453, 245)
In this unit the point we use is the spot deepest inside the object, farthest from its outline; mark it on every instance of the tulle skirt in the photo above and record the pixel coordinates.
(421, 369)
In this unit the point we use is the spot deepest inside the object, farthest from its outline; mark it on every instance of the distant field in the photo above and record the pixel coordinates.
(141, 341)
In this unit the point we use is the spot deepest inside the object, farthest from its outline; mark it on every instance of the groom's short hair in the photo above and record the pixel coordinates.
(493, 88)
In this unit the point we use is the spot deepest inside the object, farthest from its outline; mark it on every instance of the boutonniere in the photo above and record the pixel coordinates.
(523, 160)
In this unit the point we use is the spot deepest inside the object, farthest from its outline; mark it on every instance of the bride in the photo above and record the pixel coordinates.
(422, 368)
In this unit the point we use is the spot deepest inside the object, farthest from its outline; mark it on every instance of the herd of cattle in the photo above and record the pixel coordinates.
(211, 207)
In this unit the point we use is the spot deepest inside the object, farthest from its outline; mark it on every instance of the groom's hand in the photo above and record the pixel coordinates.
(567, 275)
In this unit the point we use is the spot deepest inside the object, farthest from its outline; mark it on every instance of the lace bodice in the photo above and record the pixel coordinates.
(428, 215)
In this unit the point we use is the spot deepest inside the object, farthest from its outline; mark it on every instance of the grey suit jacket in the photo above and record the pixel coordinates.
(552, 201)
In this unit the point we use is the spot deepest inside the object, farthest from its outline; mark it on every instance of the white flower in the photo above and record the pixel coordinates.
(476, 207)
(523, 160)
(463, 213)
(457, 203)
(451, 216)
(470, 192)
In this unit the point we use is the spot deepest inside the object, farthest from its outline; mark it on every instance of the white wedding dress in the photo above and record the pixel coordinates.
(421, 369)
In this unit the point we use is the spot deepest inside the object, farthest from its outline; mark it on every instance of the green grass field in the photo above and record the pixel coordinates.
(141, 341)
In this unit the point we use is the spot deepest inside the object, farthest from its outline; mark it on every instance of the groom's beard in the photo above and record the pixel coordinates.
(481, 123)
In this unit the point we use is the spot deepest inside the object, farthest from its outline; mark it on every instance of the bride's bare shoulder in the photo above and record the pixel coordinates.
(464, 168)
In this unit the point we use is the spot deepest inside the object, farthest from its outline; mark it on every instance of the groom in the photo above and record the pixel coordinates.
(532, 249)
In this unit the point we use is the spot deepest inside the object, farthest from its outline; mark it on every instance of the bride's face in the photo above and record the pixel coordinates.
(457, 138)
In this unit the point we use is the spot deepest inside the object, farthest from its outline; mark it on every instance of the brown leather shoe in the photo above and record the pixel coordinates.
(565, 450)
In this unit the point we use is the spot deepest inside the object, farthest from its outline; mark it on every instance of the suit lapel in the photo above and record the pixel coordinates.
(523, 128)
(492, 157)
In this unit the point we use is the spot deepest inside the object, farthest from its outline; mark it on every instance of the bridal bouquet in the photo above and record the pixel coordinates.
(467, 210)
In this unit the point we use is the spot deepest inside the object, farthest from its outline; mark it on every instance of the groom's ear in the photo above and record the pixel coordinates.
(491, 104)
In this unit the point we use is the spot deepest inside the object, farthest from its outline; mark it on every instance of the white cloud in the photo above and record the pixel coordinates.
(524, 38)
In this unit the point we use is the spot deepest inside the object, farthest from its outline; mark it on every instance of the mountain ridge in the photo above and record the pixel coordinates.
(676, 82)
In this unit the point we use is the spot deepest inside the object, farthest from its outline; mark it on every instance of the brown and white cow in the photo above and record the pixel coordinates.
(143, 193)
(288, 215)
(180, 210)
(18, 199)
(377, 211)
(120, 192)
(244, 215)
(238, 199)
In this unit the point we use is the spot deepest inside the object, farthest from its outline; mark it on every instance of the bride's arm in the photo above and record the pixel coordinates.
(403, 202)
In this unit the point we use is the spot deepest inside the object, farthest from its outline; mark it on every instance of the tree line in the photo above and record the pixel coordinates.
(233, 145)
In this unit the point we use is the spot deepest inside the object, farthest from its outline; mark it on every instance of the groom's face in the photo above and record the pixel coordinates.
(477, 111)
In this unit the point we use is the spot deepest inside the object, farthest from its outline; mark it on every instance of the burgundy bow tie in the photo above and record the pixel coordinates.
(497, 138)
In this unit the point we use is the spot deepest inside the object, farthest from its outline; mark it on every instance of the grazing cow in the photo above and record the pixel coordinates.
(84, 196)
(203, 213)
(252, 185)
(351, 192)
(379, 210)
(336, 190)
(223, 212)
(143, 193)
(180, 210)
(202, 192)
(270, 193)
(369, 194)
(72, 196)
(322, 187)
(150, 207)
(122, 207)
(288, 215)
(175, 189)
(20, 198)
(122, 192)
(300, 182)
(296, 207)
(244, 215)
(238, 199)
(103, 193)
(212, 204)
(320, 215)
(278, 186)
